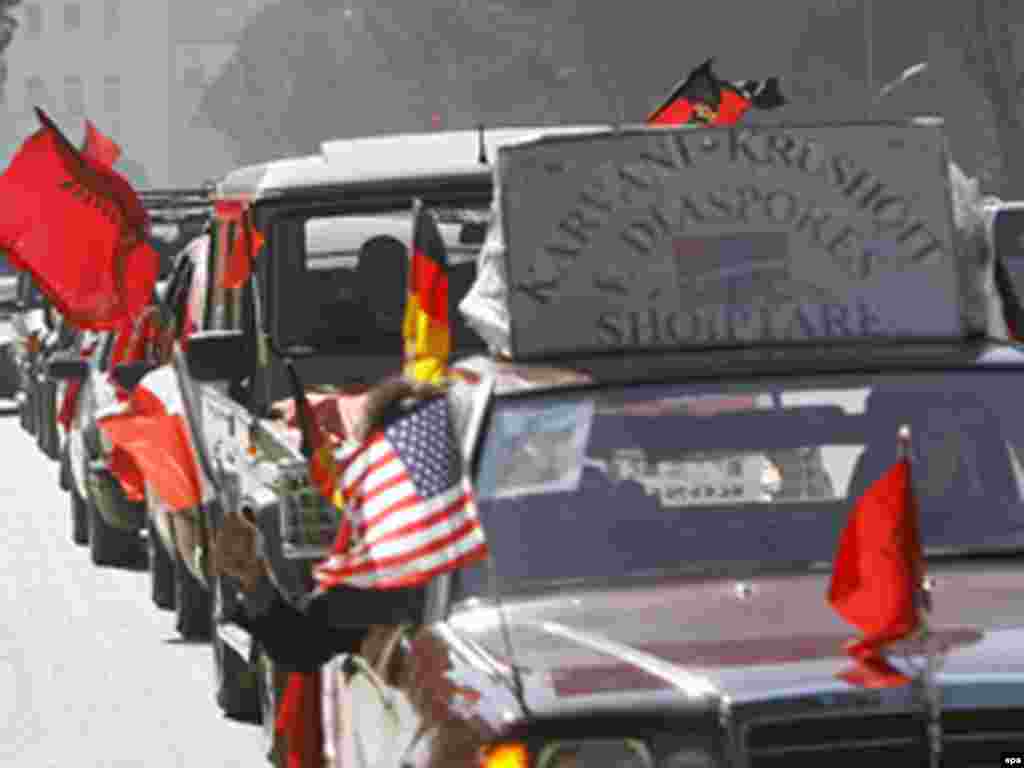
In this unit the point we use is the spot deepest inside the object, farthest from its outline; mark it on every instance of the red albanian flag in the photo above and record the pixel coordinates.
(155, 434)
(877, 574)
(246, 243)
(79, 229)
(703, 98)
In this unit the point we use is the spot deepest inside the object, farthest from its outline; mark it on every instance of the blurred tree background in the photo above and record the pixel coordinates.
(309, 70)
(304, 71)
(8, 27)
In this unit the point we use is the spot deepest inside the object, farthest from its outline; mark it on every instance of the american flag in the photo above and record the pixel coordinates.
(409, 509)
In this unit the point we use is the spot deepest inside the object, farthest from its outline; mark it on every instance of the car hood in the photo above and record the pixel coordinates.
(697, 644)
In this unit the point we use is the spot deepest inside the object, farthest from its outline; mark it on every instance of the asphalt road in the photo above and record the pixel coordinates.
(91, 672)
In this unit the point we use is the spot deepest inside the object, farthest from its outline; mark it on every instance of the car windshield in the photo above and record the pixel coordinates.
(345, 287)
(620, 482)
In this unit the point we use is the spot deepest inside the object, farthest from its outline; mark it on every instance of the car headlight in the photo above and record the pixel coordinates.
(574, 753)
(598, 753)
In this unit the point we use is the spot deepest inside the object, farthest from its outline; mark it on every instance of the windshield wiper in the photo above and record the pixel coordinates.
(948, 555)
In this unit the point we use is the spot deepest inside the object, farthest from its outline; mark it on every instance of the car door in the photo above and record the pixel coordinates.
(187, 294)
(212, 417)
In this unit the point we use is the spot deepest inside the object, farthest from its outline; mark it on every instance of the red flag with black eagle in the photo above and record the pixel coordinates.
(705, 99)
(877, 575)
(79, 229)
(317, 447)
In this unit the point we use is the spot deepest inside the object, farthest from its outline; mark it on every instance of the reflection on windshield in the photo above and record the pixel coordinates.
(666, 478)
(541, 450)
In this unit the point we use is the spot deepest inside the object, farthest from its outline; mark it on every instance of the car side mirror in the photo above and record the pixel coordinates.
(128, 375)
(218, 356)
(61, 368)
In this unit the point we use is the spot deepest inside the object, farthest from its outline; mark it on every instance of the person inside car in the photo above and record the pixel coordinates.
(367, 307)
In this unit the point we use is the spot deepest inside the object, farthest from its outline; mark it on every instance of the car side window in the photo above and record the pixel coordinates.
(198, 293)
(225, 303)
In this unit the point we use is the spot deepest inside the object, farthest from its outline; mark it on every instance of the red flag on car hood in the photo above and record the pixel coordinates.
(155, 433)
(79, 229)
(877, 573)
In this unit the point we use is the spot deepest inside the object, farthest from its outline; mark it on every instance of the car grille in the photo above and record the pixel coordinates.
(970, 738)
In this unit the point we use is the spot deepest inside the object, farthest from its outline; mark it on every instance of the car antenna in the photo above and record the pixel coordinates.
(481, 145)
(506, 634)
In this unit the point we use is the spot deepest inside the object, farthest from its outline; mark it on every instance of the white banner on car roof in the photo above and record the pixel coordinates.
(744, 235)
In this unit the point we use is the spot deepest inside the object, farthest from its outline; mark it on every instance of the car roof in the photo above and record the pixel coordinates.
(511, 377)
(382, 158)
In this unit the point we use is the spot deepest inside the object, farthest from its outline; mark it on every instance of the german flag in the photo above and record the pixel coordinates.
(425, 329)
(704, 99)
(316, 447)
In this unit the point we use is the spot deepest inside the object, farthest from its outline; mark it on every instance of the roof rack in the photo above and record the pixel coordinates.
(196, 195)
(177, 204)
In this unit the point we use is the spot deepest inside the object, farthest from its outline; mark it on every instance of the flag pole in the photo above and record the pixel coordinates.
(930, 692)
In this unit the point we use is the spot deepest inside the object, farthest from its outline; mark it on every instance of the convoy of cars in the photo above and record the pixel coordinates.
(707, 344)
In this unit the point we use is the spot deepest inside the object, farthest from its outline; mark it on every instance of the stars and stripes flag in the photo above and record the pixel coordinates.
(410, 512)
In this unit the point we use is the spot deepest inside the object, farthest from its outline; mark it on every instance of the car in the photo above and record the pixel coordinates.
(695, 395)
(115, 521)
(102, 515)
(174, 583)
(327, 292)
(32, 322)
